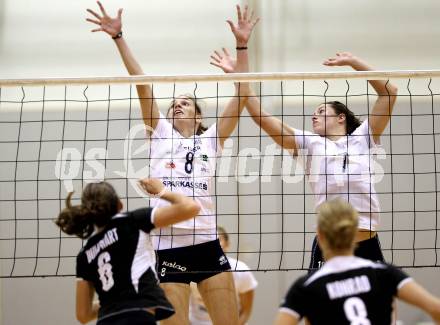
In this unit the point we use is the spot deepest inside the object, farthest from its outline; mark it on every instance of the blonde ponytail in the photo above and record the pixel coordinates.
(338, 222)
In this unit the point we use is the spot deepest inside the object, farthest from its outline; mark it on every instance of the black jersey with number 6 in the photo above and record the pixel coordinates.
(120, 262)
(346, 290)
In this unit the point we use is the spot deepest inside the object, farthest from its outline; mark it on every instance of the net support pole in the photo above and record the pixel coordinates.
(2, 23)
(1, 300)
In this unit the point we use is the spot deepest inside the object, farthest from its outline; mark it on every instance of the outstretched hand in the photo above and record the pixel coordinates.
(224, 61)
(244, 27)
(341, 59)
(107, 24)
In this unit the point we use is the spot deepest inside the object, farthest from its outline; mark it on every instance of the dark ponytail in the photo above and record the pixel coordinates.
(351, 121)
(75, 220)
(99, 202)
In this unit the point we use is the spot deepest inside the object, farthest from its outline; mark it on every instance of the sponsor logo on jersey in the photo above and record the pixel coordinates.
(191, 148)
(204, 157)
(187, 184)
(223, 260)
(174, 266)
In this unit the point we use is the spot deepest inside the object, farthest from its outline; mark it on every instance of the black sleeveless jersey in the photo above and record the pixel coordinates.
(120, 262)
(346, 290)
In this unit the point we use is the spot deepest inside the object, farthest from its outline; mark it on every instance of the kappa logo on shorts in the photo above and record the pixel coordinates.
(174, 266)
(223, 260)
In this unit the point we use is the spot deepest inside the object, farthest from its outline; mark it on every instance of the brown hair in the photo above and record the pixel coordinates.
(99, 203)
(198, 109)
(338, 223)
(351, 121)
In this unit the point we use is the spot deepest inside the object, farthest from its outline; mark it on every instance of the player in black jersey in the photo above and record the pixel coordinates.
(349, 289)
(118, 260)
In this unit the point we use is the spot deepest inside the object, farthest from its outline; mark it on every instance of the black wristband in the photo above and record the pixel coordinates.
(240, 48)
(118, 35)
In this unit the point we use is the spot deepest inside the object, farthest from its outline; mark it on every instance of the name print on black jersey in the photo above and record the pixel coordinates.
(110, 237)
(348, 287)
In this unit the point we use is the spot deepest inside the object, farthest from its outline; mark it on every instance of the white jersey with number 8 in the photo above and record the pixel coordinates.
(186, 166)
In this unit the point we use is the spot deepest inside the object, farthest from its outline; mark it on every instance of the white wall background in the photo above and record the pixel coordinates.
(50, 38)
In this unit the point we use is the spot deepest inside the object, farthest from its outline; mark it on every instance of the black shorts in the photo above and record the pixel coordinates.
(368, 249)
(191, 263)
(135, 317)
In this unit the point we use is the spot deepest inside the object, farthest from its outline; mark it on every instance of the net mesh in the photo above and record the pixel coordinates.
(56, 138)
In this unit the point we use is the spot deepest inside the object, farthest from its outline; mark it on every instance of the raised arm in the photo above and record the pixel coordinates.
(113, 27)
(387, 93)
(182, 207)
(242, 32)
(280, 132)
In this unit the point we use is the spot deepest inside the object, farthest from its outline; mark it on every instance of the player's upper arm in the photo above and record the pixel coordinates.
(148, 218)
(143, 218)
(149, 108)
(280, 132)
(414, 294)
(382, 110)
(285, 318)
(171, 214)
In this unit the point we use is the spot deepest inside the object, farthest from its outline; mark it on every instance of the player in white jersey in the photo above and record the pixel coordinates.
(118, 259)
(338, 154)
(245, 285)
(348, 289)
(183, 155)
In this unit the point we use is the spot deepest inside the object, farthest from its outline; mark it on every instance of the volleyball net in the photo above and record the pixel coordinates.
(59, 134)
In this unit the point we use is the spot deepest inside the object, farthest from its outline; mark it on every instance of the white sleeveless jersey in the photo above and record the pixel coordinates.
(186, 166)
(343, 169)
